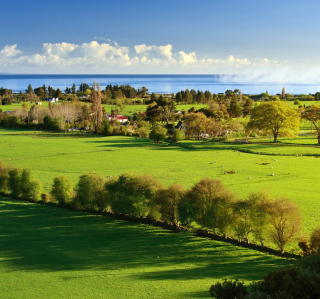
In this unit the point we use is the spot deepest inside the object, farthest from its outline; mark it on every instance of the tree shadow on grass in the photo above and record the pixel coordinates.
(41, 238)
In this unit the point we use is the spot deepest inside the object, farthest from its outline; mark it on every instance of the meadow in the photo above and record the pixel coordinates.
(49, 252)
(295, 168)
(128, 109)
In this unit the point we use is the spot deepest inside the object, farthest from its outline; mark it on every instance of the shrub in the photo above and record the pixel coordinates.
(228, 290)
(15, 182)
(4, 177)
(177, 136)
(30, 187)
(106, 128)
(7, 101)
(297, 102)
(62, 190)
(315, 241)
(46, 197)
(158, 134)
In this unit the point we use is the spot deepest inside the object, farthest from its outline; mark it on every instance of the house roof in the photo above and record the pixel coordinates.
(118, 117)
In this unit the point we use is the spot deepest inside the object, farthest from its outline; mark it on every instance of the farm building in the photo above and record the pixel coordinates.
(119, 118)
(51, 100)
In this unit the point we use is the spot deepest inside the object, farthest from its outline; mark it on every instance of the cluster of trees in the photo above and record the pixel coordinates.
(55, 117)
(19, 183)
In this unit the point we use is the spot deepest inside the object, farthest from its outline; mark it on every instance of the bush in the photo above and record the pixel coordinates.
(297, 102)
(158, 134)
(4, 177)
(30, 188)
(7, 101)
(46, 197)
(228, 290)
(177, 136)
(62, 190)
(315, 241)
(15, 182)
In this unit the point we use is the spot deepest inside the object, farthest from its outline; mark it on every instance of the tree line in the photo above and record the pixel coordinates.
(208, 204)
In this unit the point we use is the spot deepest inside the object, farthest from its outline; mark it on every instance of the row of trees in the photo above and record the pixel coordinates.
(208, 203)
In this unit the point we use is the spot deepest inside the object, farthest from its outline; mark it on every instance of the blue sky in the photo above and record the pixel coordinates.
(177, 36)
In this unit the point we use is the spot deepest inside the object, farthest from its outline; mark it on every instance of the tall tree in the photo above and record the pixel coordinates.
(73, 89)
(96, 107)
(275, 117)
(211, 205)
(29, 89)
(285, 220)
(312, 114)
(283, 93)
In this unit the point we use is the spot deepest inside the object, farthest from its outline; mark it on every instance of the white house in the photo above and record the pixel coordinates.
(52, 100)
(119, 118)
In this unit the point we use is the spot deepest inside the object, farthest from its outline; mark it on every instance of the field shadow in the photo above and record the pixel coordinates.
(41, 238)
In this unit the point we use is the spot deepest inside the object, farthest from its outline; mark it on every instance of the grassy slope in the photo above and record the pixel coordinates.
(47, 252)
(296, 177)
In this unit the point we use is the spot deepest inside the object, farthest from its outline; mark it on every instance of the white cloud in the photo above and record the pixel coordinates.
(186, 59)
(107, 57)
(145, 50)
(9, 51)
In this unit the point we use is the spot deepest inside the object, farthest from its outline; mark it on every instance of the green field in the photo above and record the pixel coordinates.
(128, 110)
(47, 252)
(54, 154)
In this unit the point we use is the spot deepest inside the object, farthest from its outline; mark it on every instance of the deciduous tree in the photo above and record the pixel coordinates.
(274, 117)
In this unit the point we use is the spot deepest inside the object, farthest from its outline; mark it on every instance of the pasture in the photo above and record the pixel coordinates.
(296, 174)
(128, 109)
(49, 252)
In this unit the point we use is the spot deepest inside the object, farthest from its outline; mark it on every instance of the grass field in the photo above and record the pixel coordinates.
(128, 110)
(54, 154)
(47, 252)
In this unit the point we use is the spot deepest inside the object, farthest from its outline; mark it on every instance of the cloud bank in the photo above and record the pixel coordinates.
(110, 58)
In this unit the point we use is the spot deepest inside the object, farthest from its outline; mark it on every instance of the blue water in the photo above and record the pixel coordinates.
(165, 84)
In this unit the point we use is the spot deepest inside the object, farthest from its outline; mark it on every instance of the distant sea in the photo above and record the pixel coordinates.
(165, 84)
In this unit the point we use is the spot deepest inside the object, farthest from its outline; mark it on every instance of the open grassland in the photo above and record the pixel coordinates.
(128, 109)
(48, 252)
(296, 175)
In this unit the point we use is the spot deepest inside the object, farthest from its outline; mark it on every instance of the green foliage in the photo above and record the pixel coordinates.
(15, 182)
(274, 117)
(228, 290)
(90, 192)
(290, 283)
(211, 205)
(62, 190)
(178, 135)
(4, 177)
(158, 133)
(168, 201)
(7, 101)
(297, 102)
(31, 188)
(133, 194)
